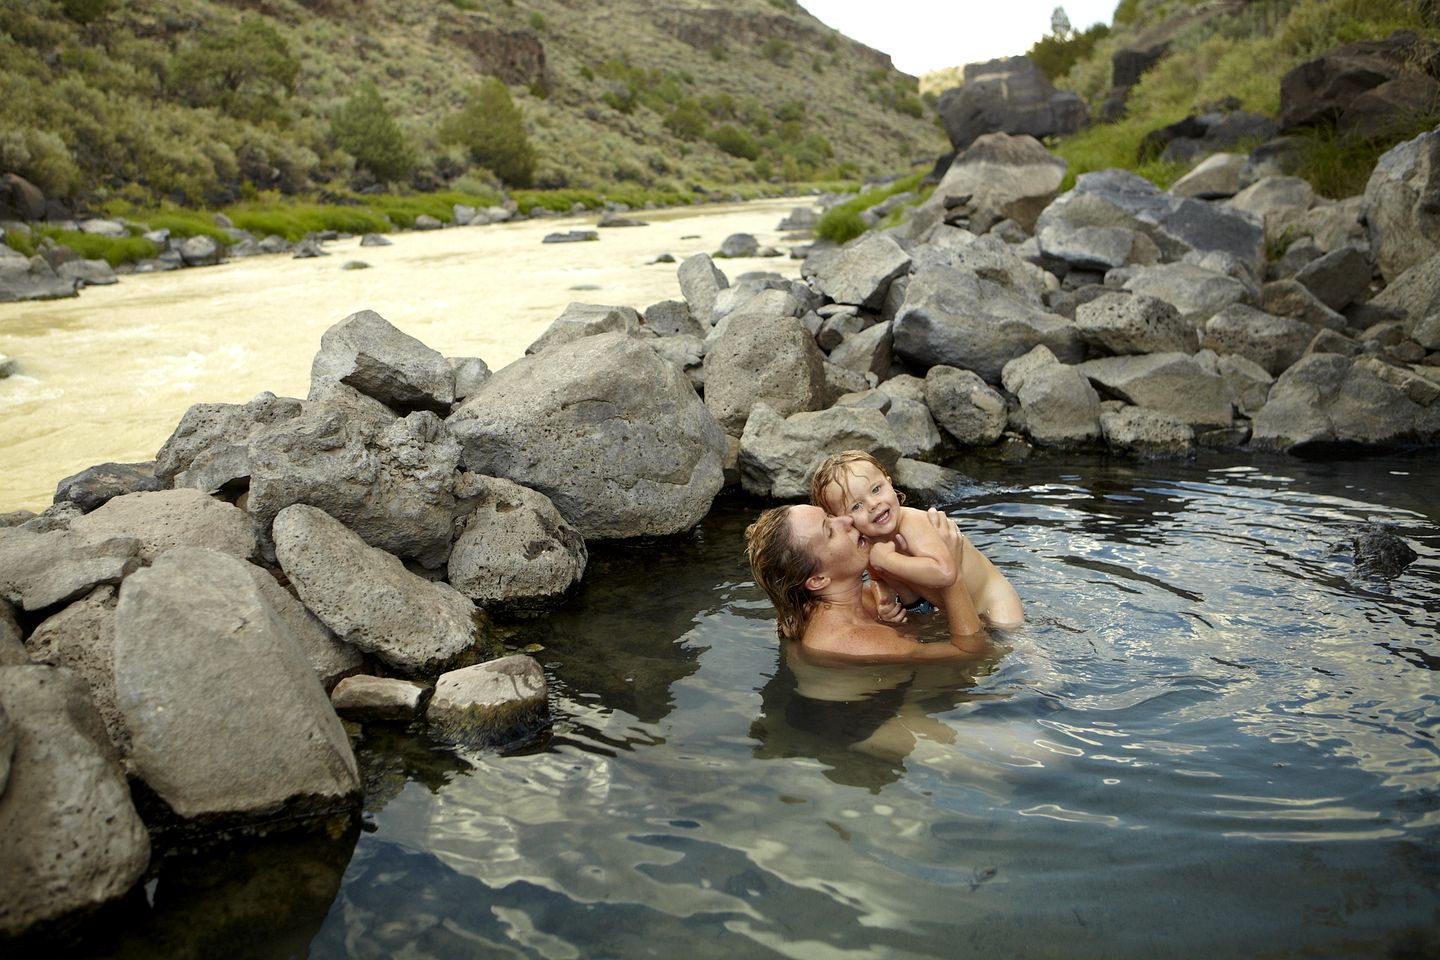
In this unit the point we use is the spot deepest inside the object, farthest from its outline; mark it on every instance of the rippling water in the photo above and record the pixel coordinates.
(1213, 738)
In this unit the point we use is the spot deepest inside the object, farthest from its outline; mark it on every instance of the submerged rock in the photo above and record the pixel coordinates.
(1380, 552)
(488, 703)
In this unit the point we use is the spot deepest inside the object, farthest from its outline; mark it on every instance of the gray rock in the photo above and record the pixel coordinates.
(1338, 278)
(762, 292)
(686, 354)
(375, 240)
(1380, 552)
(209, 449)
(470, 374)
(1273, 342)
(869, 351)
(1058, 406)
(1328, 341)
(1169, 383)
(426, 222)
(195, 640)
(95, 485)
(840, 381)
(363, 698)
(1400, 206)
(670, 318)
(32, 279)
(1326, 400)
(700, 282)
(952, 317)
(367, 597)
(1214, 178)
(1196, 292)
(81, 638)
(38, 570)
(200, 251)
(517, 555)
(1121, 323)
(88, 273)
(488, 703)
(968, 408)
(571, 236)
(906, 386)
(605, 428)
(926, 484)
(778, 454)
(367, 352)
(1176, 225)
(739, 245)
(1147, 432)
(1415, 294)
(12, 644)
(389, 480)
(1290, 298)
(1248, 382)
(861, 271)
(1009, 95)
(1333, 224)
(329, 656)
(587, 320)
(1275, 202)
(164, 519)
(837, 325)
(1005, 177)
(1089, 248)
(70, 838)
(915, 430)
(762, 359)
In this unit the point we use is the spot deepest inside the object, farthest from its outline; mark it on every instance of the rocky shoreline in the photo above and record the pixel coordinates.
(179, 640)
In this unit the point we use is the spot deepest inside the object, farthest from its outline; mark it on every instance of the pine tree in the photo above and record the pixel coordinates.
(364, 128)
(492, 129)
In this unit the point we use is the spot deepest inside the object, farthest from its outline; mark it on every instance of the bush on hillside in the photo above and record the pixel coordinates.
(364, 128)
(245, 71)
(492, 128)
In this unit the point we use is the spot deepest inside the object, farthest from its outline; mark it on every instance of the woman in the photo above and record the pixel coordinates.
(811, 564)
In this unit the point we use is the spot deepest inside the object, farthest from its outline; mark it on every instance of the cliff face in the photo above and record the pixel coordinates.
(601, 84)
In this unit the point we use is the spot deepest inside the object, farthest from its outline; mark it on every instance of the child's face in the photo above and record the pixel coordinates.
(867, 498)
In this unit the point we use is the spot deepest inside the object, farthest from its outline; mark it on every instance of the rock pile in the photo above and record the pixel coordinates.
(180, 623)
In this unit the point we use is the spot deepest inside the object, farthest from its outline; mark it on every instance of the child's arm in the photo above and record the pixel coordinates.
(926, 563)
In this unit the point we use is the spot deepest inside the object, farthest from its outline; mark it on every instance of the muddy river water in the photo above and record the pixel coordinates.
(107, 375)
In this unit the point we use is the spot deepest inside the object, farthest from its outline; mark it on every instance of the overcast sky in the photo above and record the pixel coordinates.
(924, 35)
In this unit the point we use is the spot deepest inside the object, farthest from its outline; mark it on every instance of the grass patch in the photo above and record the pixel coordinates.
(842, 223)
(92, 246)
(1339, 166)
(295, 221)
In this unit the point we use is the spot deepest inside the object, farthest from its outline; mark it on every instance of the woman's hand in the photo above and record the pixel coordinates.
(949, 534)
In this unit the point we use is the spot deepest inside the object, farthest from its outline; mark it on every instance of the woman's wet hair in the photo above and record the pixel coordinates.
(780, 567)
(835, 468)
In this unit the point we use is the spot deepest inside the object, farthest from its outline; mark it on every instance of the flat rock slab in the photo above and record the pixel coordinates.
(38, 570)
(378, 698)
(489, 702)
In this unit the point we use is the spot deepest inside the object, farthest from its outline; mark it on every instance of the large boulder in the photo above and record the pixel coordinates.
(700, 283)
(1145, 432)
(1320, 92)
(951, 316)
(1196, 292)
(1401, 207)
(367, 352)
(81, 638)
(488, 703)
(1168, 383)
(778, 454)
(165, 519)
(226, 717)
(611, 433)
(1004, 177)
(965, 406)
(1273, 342)
(1176, 225)
(517, 555)
(39, 570)
(95, 485)
(391, 480)
(869, 351)
(209, 449)
(860, 272)
(1121, 323)
(1415, 294)
(415, 626)
(1009, 95)
(1058, 406)
(586, 320)
(32, 279)
(762, 358)
(330, 657)
(70, 839)
(1327, 401)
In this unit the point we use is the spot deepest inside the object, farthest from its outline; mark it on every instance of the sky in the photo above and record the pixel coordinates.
(925, 35)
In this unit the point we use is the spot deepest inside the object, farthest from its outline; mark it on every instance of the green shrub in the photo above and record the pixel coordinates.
(492, 129)
(1339, 166)
(688, 120)
(842, 223)
(734, 141)
(245, 71)
(364, 128)
(1056, 55)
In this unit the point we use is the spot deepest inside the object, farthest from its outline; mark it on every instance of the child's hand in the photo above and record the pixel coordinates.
(880, 552)
(888, 608)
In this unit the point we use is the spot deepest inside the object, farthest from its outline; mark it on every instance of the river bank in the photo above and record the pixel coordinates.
(106, 376)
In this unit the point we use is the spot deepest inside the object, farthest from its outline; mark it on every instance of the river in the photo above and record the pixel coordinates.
(106, 376)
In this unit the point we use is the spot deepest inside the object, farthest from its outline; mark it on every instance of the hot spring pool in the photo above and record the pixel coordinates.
(1213, 738)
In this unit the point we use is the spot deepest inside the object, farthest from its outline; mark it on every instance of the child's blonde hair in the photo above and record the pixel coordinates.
(835, 468)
